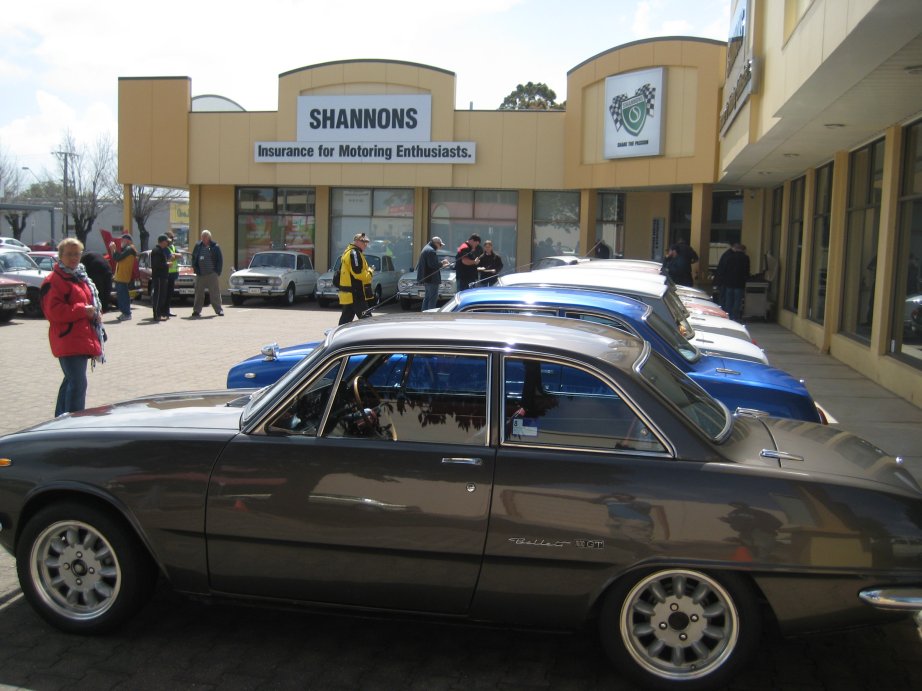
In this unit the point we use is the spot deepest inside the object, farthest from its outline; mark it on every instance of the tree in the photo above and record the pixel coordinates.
(90, 176)
(145, 201)
(531, 96)
(10, 187)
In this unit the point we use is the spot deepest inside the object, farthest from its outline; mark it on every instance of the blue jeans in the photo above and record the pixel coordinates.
(123, 298)
(431, 299)
(734, 299)
(72, 393)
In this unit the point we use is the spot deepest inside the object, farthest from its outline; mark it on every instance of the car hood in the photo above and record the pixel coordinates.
(263, 271)
(32, 277)
(204, 410)
(755, 373)
(258, 371)
(815, 450)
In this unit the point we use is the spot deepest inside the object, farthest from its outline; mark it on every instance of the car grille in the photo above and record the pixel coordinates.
(7, 292)
(185, 282)
(256, 282)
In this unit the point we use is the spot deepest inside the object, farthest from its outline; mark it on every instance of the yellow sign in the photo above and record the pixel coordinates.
(179, 213)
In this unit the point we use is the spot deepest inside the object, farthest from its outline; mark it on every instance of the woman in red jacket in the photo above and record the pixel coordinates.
(72, 307)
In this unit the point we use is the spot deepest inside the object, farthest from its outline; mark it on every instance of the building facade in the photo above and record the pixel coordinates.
(800, 136)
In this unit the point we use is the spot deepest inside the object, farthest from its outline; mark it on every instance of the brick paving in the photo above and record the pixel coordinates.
(176, 643)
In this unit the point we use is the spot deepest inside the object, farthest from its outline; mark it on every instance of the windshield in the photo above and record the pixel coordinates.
(374, 261)
(679, 313)
(273, 260)
(673, 337)
(16, 261)
(694, 404)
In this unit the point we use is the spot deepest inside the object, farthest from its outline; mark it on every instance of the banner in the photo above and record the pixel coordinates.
(634, 114)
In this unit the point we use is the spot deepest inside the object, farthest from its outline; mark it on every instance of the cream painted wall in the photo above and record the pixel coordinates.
(639, 211)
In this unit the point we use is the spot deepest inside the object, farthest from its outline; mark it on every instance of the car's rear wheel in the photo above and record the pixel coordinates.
(680, 628)
(34, 308)
(378, 295)
(82, 569)
(237, 300)
(288, 299)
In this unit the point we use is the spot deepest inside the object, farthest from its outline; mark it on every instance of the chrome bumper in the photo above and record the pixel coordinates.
(896, 600)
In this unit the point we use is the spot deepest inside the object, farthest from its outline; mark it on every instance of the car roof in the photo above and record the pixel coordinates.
(635, 282)
(484, 330)
(554, 296)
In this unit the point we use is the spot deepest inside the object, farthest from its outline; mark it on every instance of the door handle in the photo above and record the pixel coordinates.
(462, 461)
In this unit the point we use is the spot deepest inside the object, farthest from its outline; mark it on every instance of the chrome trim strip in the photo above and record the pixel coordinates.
(893, 598)
(780, 455)
(462, 461)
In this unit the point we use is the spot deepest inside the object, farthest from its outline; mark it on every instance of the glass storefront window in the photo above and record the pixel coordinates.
(556, 225)
(384, 214)
(274, 218)
(455, 215)
(774, 243)
(609, 223)
(819, 261)
(906, 337)
(795, 246)
(861, 232)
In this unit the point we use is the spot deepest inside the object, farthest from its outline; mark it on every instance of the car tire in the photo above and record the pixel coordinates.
(82, 569)
(406, 305)
(288, 299)
(322, 302)
(34, 308)
(237, 300)
(6, 315)
(680, 628)
(378, 294)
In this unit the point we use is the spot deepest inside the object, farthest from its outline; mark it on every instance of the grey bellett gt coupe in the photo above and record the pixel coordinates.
(470, 466)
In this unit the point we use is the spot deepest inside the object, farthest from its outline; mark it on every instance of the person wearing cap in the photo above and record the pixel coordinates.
(160, 278)
(355, 280)
(173, 273)
(207, 262)
(429, 272)
(125, 258)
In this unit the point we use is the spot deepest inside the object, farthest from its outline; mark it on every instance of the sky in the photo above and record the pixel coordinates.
(60, 60)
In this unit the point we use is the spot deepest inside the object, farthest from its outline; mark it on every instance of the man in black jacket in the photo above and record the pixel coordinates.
(160, 278)
(99, 271)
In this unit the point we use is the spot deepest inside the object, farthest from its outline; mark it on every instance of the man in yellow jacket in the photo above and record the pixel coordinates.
(355, 280)
(125, 259)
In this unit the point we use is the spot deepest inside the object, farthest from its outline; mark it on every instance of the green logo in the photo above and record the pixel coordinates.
(630, 112)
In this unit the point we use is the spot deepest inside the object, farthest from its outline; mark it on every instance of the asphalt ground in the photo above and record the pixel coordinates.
(177, 643)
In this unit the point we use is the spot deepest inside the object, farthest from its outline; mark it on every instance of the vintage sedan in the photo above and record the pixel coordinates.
(383, 281)
(469, 467)
(18, 265)
(278, 274)
(12, 298)
(411, 292)
(183, 288)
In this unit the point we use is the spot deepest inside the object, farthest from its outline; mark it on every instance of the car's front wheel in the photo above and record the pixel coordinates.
(237, 300)
(680, 628)
(288, 298)
(34, 308)
(82, 569)
(406, 304)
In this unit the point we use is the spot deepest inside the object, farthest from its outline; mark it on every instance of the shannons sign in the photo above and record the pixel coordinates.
(393, 128)
(634, 104)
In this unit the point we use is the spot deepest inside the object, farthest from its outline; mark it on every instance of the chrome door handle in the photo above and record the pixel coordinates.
(462, 461)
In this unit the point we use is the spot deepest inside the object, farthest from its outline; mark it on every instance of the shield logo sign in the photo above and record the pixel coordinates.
(634, 114)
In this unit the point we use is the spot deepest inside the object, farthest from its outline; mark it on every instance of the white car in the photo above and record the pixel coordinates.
(280, 274)
(16, 264)
(383, 281)
(14, 243)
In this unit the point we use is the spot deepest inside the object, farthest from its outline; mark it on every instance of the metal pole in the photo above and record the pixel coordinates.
(66, 155)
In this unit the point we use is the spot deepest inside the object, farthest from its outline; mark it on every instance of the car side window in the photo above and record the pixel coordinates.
(303, 415)
(554, 404)
(301, 266)
(415, 397)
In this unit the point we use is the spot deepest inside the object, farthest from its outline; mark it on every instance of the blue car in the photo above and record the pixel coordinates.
(738, 384)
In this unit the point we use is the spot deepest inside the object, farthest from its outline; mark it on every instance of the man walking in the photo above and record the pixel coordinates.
(125, 259)
(735, 275)
(429, 272)
(207, 262)
(354, 280)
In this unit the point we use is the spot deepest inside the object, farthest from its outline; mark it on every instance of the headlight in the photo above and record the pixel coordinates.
(236, 280)
(405, 283)
(325, 283)
(276, 281)
(19, 290)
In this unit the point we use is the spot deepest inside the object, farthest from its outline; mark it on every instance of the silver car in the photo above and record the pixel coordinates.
(279, 274)
(383, 281)
(411, 292)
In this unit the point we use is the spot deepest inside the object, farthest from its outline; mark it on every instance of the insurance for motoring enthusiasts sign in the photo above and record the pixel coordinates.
(393, 128)
(634, 109)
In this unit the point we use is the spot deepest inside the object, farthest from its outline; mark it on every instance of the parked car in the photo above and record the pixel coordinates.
(735, 383)
(471, 466)
(561, 260)
(44, 259)
(12, 298)
(17, 264)
(279, 274)
(655, 293)
(13, 243)
(383, 281)
(185, 281)
(410, 291)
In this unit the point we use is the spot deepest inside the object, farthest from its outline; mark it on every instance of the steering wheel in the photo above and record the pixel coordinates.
(367, 401)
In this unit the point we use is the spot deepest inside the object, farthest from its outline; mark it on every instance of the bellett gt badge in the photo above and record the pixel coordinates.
(631, 112)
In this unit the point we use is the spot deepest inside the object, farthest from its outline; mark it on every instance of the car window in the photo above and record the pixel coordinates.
(693, 402)
(301, 266)
(416, 397)
(11, 261)
(554, 404)
(387, 263)
(605, 320)
(304, 413)
(374, 261)
(673, 337)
